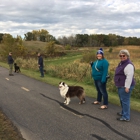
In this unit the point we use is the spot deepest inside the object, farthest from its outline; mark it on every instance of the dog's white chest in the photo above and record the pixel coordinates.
(64, 91)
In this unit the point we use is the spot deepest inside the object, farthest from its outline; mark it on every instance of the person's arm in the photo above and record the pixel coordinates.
(129, 73)
(105, 71)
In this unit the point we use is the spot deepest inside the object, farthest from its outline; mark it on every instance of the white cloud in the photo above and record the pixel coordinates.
(62, 17)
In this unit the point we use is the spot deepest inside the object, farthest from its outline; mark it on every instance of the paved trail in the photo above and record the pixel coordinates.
(37, 110)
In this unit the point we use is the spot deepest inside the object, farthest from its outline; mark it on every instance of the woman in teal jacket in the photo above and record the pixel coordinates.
(99, 74)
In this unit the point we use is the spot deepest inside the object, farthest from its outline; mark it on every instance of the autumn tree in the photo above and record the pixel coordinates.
(50, 48)
(14, 45)
(28, 36)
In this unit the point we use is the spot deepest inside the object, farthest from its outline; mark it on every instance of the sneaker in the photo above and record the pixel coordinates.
(123, 119)
(119, 113)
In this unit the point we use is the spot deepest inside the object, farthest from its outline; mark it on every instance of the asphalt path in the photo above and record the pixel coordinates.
(37, 110)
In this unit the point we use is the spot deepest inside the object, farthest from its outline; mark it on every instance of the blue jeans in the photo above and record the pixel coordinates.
(41, 71)
(125, 101)
(101, 92)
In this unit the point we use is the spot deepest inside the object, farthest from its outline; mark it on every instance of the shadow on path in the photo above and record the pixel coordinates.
(81, 114)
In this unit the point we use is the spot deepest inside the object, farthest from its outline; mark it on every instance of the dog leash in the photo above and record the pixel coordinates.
(81, 77)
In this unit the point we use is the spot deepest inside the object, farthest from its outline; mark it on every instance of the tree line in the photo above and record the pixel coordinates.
(97, 40)
(80, 40)
(40, 35)
(35, 35)
(8, 43)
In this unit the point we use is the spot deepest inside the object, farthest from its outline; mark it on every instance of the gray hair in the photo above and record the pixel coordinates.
(126, 52)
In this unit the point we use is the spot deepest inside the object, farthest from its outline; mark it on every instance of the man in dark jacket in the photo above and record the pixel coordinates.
(10, 62)
(40, 64)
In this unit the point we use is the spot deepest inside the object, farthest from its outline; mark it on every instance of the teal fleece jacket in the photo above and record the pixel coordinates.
(100, 70)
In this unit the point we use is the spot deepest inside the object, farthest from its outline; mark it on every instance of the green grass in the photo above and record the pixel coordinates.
(61, 60)
(68, 58)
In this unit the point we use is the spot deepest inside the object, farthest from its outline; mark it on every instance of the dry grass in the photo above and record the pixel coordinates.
(38, 46)
(114, 59)
(7, 130)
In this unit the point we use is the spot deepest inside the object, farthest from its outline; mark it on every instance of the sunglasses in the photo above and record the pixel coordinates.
(122, 55)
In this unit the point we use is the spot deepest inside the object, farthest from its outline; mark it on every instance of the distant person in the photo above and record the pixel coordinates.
(124, 80)
(99, 74)
(10, 62)
(40, 64)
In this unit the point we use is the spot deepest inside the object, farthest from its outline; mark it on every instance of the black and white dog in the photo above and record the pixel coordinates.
(17, 68)
(71, 91)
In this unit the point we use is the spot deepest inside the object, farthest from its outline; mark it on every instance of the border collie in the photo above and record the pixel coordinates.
(17, 68)
(71, 91)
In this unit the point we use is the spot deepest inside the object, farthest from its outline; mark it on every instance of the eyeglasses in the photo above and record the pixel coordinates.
(122, 55)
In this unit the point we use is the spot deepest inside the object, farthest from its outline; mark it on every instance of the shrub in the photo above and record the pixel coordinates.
(136, 91)
(50, 49)
(68, 47)
(88, 57)
(30, 63)
(110, 50)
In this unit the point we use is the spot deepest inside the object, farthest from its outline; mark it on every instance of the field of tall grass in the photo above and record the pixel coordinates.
(75, 66)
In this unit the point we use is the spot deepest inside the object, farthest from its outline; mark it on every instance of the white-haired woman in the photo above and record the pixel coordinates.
(124, 80)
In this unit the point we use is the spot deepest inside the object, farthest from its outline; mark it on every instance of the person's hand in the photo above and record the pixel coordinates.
(91, 63)
(103, 82)
(126, 90)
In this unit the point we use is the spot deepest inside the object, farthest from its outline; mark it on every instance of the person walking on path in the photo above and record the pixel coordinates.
(10, 62)
(40, 64)
(99, 74)
(124, 81)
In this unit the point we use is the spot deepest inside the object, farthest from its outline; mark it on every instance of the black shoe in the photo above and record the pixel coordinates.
(119, 113)
(123, 119)
(41, 76)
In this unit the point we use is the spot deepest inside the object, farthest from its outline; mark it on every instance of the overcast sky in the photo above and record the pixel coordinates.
(67, 17)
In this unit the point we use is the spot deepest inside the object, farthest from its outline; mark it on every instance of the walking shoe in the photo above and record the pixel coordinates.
(119, 113)
(123, 119)
(103, 107)
(96, 103)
